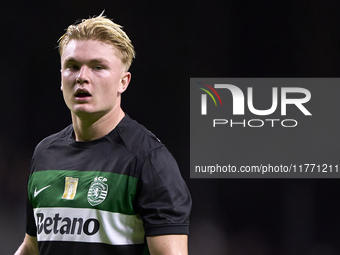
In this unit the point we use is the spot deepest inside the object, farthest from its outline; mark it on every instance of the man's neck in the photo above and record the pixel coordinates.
(86, 129)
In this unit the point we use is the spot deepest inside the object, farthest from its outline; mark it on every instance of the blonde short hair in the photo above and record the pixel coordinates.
(102, 29)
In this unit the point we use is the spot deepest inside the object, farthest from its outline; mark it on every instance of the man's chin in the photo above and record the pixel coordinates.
(84, 112)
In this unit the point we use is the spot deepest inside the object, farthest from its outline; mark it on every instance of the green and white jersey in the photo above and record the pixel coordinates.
(104, 196)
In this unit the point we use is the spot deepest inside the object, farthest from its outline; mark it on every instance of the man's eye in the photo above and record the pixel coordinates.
(98, 67)
(73, 67)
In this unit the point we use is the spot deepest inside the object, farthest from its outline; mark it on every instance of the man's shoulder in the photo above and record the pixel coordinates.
(136, 137)
(48, 141)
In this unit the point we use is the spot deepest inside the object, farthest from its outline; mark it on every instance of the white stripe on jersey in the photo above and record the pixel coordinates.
(88, 225)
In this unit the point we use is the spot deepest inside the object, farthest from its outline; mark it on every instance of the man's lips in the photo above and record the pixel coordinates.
(81, 93)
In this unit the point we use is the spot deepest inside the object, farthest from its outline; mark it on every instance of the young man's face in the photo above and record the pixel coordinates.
(93, 77)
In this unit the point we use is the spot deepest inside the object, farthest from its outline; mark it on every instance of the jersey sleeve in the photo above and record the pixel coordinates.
(163, 200)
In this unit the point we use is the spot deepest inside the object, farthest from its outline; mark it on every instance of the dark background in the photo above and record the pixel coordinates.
(175, 41)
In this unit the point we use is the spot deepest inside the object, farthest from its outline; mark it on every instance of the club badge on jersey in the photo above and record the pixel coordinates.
(98, 191)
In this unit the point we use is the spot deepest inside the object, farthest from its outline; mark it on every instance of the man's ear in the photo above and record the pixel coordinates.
(124, 83)
(61, 83)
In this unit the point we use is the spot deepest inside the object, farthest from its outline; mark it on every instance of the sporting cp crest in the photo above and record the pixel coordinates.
(98, 191)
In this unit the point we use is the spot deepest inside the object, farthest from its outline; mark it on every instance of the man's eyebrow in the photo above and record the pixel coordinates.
(95, 60)
(71, 60)
(99, 60)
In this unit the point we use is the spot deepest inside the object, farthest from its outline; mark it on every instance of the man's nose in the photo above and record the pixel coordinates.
(83, 75)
